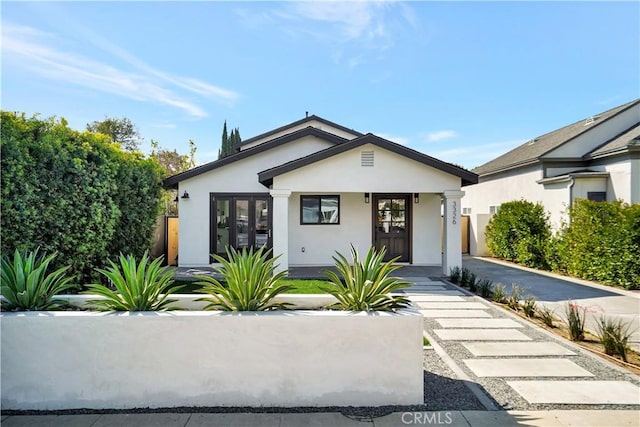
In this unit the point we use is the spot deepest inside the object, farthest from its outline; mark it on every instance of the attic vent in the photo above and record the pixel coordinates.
(366, 158)
(533, 141)
(590, 120)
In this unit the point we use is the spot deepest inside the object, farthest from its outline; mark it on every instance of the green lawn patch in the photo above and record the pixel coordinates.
(305, 286)
(425, 342)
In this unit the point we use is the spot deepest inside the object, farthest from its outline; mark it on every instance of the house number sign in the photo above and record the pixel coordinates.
(454, 213)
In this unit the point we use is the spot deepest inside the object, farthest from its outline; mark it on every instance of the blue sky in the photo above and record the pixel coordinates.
(461, 81)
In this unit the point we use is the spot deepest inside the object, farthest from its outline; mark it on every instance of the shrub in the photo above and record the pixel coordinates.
(518, 232)
(49, 171)
(468, 279)
(546, 314)
(454, 274)
(529, 306)
(614, 336)
(485, 288)
(513, 301)
(602, 243)
(366, 284)
(251, 283)
(499, 295)
(575, 320)
(143, 286)
(25, 284)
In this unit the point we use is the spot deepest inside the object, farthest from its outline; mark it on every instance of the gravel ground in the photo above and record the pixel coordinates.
(509, 399)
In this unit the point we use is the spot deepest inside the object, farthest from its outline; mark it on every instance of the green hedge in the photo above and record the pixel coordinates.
(602, 243)
(519, 232)
(75, 193)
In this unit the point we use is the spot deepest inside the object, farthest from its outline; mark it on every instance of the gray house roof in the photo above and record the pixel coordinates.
(467, 177)
(621, 142)
(531, 151)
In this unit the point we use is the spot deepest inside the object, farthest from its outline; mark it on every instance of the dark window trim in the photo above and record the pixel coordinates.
(408, 220)
(597, 196)
(319, 197)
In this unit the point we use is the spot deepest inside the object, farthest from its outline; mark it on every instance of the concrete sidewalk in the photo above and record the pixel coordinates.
(583, 418)
(554, 291)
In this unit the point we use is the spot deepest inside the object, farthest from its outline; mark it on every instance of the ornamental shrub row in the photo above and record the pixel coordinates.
(600, 241)
(74, 193)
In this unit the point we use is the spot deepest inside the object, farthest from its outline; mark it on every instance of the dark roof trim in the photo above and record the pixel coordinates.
(297, 123)
(172, 181)
(266, 177)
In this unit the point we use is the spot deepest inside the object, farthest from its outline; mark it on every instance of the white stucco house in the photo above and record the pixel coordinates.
(595, 158)
(313, 187)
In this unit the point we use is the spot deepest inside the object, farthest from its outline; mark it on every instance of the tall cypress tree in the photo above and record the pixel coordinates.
(229, 141)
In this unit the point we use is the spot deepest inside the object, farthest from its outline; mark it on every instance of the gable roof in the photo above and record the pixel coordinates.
(630, 137)
(307, 119)
(531, 151)
(173, 181)
(266, 177)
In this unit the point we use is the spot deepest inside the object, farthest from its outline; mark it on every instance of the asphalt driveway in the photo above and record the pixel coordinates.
(555, 291)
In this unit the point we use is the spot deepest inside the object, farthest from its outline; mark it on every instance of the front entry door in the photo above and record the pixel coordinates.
(240, 221)
(392, 219)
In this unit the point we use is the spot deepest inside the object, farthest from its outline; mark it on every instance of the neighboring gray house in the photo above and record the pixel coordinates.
(596, 158)
(313, 187)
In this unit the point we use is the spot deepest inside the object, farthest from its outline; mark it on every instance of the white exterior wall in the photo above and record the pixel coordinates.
(313, 123)
(321, 241)
(583, 186)
(621, 180)
(392, 173)
(511, 186)
(241, 177)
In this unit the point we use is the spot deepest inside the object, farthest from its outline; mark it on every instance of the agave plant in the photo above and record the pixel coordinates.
(367, 284)
(26, 286)
(250, 283)
(143, 286)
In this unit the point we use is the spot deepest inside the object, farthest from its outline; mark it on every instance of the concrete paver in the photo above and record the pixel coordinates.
(454, 313)
(437, 292)
(526, 368)
(517, 349)
(478, 323)
(481, 335)
(235, 420)
(451, 305)
(578, 392)
(435, 298)
(142, 420)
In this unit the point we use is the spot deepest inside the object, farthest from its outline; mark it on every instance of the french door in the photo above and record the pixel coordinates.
(239, 221)
(392, 219)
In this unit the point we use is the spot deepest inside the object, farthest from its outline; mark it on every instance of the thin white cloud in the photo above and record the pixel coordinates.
(357, 31)
(440, 135)
(34, 50)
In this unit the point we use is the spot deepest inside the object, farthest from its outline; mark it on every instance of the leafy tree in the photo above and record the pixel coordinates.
(172, 163)
(120, 130)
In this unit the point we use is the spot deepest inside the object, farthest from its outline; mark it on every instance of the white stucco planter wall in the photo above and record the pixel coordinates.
(68, 360)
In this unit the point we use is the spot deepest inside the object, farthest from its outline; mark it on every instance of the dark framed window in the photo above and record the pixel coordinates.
(319, 209)
(597, 196)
